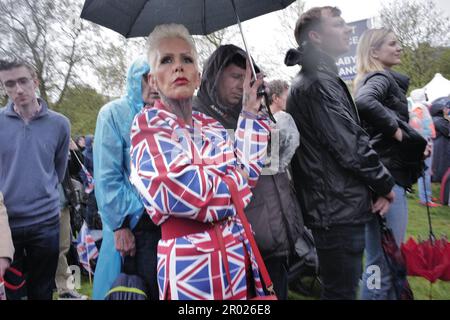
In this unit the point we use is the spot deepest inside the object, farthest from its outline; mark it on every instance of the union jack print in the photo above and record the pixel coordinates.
(178, 171)
(90, 180)
(86, 248)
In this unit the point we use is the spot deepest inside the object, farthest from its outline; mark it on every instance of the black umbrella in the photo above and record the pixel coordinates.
(138, 18)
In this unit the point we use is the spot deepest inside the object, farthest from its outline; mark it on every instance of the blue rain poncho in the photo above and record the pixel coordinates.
(116, 197)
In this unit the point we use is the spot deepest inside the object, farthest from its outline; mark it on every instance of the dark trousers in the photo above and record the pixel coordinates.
(277, 269)
(36, 256)
(147, 235)
(340, 250)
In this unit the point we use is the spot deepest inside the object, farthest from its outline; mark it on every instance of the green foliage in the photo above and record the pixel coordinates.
(81, 106)
(422, 63)
(444, 63)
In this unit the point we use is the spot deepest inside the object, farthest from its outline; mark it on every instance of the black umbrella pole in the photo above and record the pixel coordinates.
(432, 237)
(243, 39)
(261, 91)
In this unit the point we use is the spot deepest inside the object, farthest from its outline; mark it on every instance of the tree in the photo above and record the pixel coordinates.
(420, 28)
(208, 43)
(111, 70)
(50, 35)
(81, 105)
(285, 29)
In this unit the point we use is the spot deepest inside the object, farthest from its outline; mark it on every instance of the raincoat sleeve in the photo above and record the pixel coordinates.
(348, 142)
(173, 181)
(116, 197)
(252, 136)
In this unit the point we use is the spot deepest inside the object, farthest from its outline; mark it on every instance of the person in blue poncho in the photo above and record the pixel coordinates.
(126, 230)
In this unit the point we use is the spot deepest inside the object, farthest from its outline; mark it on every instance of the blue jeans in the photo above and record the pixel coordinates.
(340, 250)
(378, 285)
(425, 197)
(36, 256)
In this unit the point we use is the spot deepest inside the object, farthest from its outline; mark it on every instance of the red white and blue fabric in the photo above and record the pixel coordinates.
(90, 180)
(178, 171)
(86, 248)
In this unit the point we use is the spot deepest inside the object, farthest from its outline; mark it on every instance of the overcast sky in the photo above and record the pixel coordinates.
(262, 33)
(268, 44)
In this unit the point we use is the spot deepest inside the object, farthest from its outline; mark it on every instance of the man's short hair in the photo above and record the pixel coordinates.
(6, 65)
(276, 87)
(237, 59)
(310, 20)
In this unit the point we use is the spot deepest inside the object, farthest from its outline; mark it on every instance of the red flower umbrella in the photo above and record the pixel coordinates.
(429, 259)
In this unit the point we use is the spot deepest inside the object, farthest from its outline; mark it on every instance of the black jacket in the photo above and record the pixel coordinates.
(441, 144)
(335, 170)
(382, 105)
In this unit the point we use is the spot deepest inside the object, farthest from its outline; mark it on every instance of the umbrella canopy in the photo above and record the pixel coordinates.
(428, 259)
(395, 262)
(138, 18)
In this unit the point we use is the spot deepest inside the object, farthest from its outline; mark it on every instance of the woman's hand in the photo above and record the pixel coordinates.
(250, 101)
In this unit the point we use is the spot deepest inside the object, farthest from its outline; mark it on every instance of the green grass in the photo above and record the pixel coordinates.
(417, 228)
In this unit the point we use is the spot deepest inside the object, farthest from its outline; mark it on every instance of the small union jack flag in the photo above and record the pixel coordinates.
(90, 180)
(86, 248)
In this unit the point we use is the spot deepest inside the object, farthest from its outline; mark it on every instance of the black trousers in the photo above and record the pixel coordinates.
(340, 250)
(147, 235)
(36, 256)
(277, 267)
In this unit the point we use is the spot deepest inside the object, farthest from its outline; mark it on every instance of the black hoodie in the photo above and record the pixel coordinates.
(207, 100)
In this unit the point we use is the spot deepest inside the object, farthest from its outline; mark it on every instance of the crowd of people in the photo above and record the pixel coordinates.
(177, 158)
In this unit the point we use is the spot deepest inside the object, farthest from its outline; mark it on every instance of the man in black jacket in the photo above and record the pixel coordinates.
(339, 178)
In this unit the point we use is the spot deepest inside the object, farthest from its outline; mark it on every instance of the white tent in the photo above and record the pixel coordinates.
(437, 88)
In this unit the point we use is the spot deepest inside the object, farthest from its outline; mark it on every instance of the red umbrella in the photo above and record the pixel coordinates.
(429, 259)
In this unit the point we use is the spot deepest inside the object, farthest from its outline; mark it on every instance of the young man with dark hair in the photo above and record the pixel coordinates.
(336, 173)
(34, 145)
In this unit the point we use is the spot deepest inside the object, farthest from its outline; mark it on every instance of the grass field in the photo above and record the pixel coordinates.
(417, 228)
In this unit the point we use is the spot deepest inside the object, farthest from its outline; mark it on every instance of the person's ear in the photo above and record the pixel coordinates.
(315, 37)
(274, 97)
(36, 82)
(374, 53)
(198, 80)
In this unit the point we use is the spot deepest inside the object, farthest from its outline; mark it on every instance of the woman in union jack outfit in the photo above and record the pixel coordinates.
(182, 163)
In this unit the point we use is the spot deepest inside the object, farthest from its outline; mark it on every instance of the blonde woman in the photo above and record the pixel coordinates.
(383, 108)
